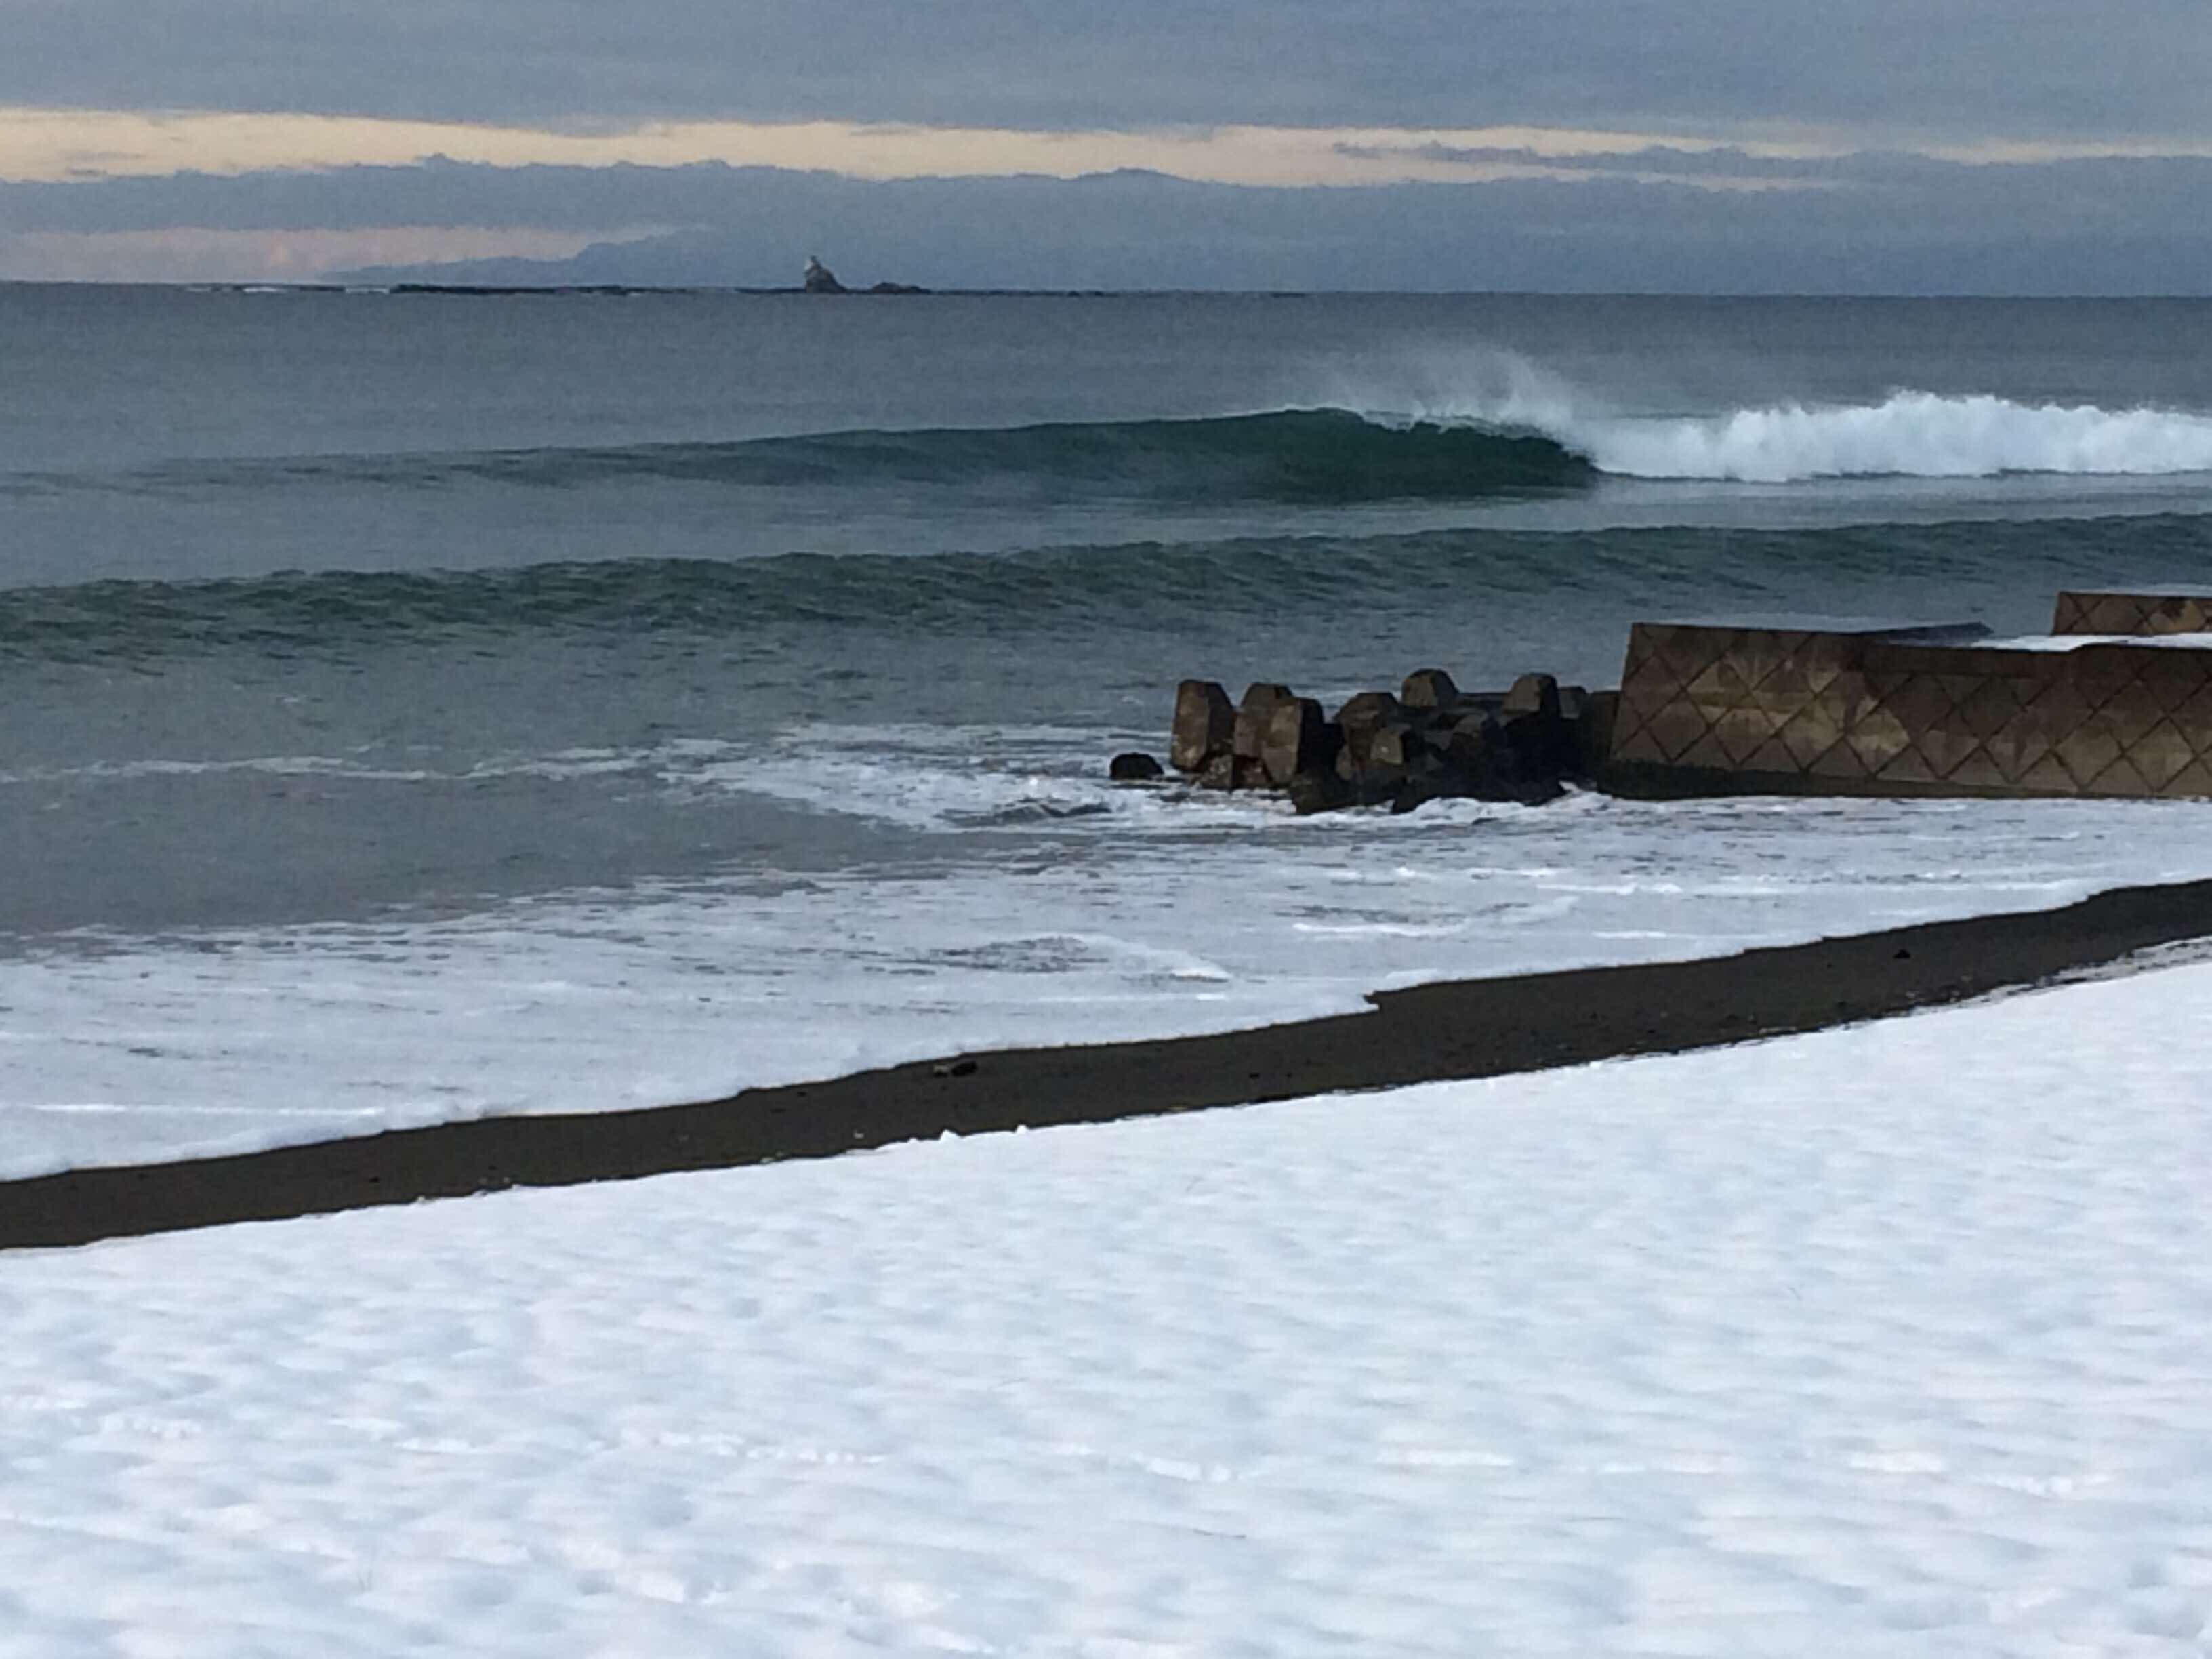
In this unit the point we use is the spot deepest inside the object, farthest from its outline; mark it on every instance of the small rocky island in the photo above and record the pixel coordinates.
(1427, 741)
(820, 279)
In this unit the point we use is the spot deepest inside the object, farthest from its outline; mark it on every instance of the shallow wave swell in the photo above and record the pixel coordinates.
(1141, 586)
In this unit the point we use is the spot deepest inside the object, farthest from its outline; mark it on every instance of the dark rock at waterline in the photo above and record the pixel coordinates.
(1592, 735)
(1296, 738)
(1473, 742)
(1442, 782)
(1204, 726)
(1392, 747)
(820, 279)
(1373, 761)
(1232, 772)
(1135, 767)
(1252, 714)
(1360, 717)
(1433, 742)
(1368, 709)
(1428, 688)
(1320, 792)
(1370, 785)
(1414, 793)
(1379, 766)
(1533, 694)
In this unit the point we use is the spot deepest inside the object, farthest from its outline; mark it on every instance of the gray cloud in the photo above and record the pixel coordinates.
(2028, 67)
(1883, 223)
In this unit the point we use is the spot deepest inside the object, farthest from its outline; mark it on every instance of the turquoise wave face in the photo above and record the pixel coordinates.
(1299, 455)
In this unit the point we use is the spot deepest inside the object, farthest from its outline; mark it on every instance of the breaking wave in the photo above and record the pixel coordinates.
(1516, 445)
(1910, 435)
(1321, 455)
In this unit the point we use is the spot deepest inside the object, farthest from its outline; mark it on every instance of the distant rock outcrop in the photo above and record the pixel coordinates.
(820, 279)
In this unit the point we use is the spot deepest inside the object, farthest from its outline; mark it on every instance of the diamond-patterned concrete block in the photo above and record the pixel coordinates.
(1795, 712)
(2132, 613)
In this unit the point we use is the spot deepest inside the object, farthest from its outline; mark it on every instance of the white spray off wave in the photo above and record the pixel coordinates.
(1910, 435)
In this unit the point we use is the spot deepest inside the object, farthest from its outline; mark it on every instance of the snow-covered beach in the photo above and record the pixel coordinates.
(475, 724)
(1884, 1340)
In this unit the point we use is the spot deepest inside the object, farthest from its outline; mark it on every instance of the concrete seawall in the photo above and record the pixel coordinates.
(1707, 710)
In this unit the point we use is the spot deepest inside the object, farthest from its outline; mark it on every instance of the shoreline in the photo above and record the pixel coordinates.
(1450, 1031)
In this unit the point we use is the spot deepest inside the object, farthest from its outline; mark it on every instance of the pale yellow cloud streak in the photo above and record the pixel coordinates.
(197, 254)
(59, 145)
(45, 145)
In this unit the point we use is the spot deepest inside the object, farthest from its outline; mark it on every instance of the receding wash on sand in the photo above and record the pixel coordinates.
(1430, 1033)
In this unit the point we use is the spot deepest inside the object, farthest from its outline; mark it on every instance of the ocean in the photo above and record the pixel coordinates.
(419, 705)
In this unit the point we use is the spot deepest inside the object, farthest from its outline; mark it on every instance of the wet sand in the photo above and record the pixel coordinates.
(1455, 1030)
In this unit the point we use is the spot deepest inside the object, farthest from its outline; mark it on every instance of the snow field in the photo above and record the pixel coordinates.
(1886, 1340)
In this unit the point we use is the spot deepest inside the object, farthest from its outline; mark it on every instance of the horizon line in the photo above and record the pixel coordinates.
(431, 288)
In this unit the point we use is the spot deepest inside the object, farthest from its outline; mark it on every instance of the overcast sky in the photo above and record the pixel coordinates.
(2024, 145)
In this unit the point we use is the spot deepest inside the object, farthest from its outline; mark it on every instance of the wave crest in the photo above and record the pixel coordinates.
(1535, 439)
(1916, 435)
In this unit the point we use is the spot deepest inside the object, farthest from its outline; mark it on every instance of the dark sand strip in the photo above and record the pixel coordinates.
(1465, 1029)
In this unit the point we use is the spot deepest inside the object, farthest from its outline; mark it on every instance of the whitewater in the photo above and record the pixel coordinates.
(1063, 909)
(1912, 434)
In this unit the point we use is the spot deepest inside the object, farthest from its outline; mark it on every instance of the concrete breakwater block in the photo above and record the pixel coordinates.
(1205, 725)
(2116, 702)
(1706, 710)
(1428, 741)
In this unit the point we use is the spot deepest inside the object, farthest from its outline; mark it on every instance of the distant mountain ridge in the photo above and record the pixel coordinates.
(750, 227)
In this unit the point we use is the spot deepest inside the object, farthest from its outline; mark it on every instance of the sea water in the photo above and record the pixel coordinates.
(413, 706)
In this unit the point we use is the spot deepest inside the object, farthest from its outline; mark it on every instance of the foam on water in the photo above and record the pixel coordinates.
(1911, 432)
(944, 779)
(1114, 926)
(1910, 435)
